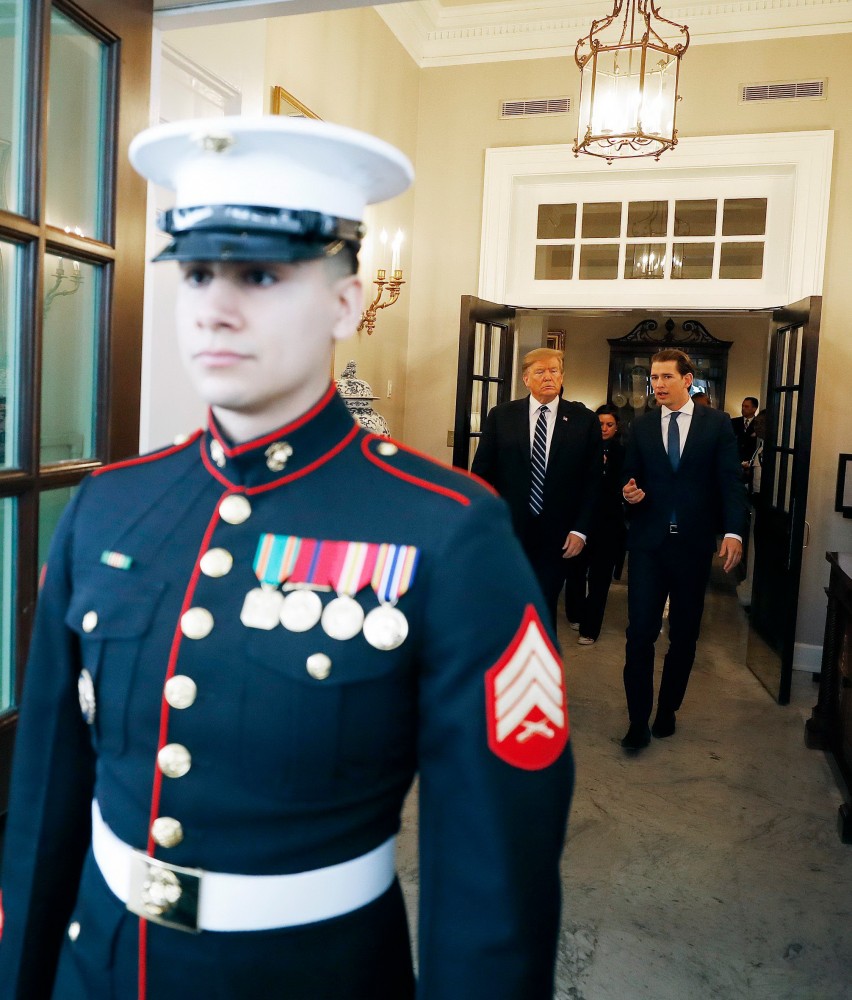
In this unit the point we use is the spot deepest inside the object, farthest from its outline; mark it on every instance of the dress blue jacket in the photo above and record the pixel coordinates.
(288, 772)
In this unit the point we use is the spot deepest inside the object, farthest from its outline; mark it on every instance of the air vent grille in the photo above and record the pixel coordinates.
(535, 108)
(794, 90)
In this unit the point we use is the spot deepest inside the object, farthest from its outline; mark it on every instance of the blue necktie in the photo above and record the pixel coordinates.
(674, 441)
(538, 462)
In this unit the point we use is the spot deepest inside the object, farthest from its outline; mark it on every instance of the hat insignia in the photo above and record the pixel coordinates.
(214, 142)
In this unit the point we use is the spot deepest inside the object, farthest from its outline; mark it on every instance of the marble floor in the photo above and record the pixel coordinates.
(709, 865)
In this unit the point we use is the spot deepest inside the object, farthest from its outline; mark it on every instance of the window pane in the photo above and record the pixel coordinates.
(647, 218)
(69, 359)
(9, 320)
(497, 334)
(695, 218)
(645, 260)
(12, 17)
(76, 135)
(602, 219)
(741, 260)
(692, 260)
(554, 263)
(7, 602)
(557, 222)
(599, 261)
(51, 504)
(744, 217)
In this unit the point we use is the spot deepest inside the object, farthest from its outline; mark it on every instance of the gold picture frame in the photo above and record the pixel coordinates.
(555, 340)
(284, 103)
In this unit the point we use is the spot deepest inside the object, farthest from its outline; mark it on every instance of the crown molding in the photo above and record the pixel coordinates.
(434, 35)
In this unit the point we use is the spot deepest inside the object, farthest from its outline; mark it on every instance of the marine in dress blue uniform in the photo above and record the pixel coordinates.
(206, 788)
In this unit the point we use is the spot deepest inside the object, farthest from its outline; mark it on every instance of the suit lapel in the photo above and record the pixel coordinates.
(655, 424)
(560, 429)
(696, 432)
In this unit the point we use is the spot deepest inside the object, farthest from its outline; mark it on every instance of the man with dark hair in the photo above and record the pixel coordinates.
(249, 642)
(683, 487)
(542, 454)
(745, 430)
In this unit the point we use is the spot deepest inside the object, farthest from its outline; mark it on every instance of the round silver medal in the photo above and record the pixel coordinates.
(342, 618)
(301, 610)
(385, 627)
(261, 608)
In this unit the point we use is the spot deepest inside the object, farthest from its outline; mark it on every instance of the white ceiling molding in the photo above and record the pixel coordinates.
(435, 35)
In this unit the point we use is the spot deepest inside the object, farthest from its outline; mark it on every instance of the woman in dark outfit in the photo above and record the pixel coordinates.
(605, 547)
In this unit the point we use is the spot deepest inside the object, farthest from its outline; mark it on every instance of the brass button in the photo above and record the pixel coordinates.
(217, 453)
(319, 666)
(174, 760)
(387, 448)
(180, 691)
(196, 623)
(235, 509)
(73, 930)
(216, 562)
(166, 831)
(90, 621)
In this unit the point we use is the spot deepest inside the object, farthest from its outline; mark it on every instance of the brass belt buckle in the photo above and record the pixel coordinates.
(163, 893)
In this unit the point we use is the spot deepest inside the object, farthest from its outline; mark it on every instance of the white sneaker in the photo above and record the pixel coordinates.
(584, 640)
(574, 625)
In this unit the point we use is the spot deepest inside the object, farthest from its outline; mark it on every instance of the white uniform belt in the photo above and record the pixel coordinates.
(193, 899)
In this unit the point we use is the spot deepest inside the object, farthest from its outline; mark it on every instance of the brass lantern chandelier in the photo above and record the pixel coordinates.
(628, 82)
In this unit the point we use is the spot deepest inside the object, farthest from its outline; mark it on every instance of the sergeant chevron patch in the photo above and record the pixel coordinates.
(525, 699)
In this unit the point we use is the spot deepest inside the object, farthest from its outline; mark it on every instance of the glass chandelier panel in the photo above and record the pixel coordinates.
(628, 82)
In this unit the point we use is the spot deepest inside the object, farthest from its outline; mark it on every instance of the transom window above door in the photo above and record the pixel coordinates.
(695, 239)
(727, 222)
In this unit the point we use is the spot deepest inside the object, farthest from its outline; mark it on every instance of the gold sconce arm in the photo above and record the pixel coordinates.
(393, 285)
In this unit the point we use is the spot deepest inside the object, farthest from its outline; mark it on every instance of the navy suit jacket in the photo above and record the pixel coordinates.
(572, 481)
(705, 495)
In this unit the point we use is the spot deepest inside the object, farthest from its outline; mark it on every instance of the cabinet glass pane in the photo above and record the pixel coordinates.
(647, 218)
(741, 260)
(744, 217)
(554, 263)
(602, 220)
(76, 134)
(645, 260)
(599, 261)
(695, 218)
(51, 504)
(9, 320)
(557, 222)
(12, 18)
(8, 552)
(692, 260)
(69, 359)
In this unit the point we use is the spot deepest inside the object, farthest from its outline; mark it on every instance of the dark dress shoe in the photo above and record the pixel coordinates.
(638, 736)
(664, 725)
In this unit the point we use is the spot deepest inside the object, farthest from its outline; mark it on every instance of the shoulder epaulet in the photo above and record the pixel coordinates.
(180, 444)
(390, 456)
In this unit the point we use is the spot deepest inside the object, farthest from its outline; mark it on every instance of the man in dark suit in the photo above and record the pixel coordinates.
(745, 430)
(683, 487)
(542, 454)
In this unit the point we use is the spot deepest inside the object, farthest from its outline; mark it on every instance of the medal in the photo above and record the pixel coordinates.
(262, 608)
(342, 618)
(385, 627)
(350, 571)
(86, 693)
(300, 610)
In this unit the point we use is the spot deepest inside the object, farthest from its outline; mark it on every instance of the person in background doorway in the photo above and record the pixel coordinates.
(542, 454)
(745, 430)
(604, 550)
(701, 399)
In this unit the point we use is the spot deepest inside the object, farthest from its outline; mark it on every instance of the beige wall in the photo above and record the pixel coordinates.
(348, 68)
(451, 139)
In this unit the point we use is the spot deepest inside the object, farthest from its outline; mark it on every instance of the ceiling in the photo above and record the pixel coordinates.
(449, 32)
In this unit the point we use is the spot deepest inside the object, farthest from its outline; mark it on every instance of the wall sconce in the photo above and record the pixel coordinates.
(392, 284)
(75, 279)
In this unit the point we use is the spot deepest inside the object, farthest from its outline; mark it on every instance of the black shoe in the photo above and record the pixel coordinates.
(638, 736)
(664, 725)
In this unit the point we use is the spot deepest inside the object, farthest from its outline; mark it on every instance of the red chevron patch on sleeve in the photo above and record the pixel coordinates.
(525, 699)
